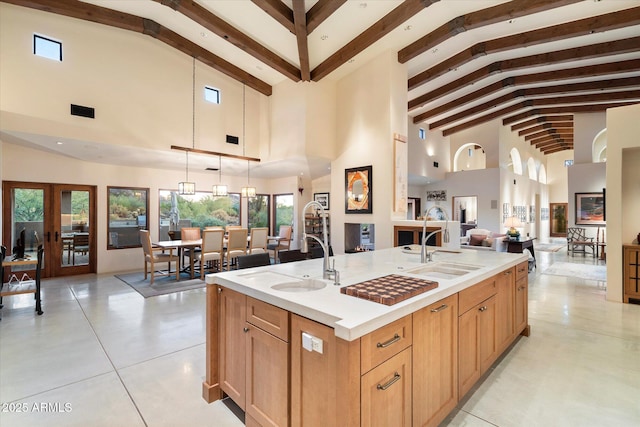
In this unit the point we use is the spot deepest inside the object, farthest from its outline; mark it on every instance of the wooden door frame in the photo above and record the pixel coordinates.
(51, 226)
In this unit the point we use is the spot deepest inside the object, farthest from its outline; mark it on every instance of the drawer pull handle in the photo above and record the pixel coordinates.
(442, 307)
(386, 344)
(245, 329)
(521, 288)
(396, 377)
(483, 308)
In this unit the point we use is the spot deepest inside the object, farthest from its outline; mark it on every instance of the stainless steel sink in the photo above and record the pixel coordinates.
(300, 285)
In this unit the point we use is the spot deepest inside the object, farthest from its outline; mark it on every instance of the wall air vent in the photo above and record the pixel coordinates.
(435, 164)
(232, 139)
(79, 110)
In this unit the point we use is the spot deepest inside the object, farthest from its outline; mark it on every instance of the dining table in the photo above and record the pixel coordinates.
(180, 245)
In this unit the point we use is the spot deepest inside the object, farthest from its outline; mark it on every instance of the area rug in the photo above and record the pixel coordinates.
(549, 247)
(162, 285)
(581, 271)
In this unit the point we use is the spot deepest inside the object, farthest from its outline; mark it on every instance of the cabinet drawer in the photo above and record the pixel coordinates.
(384, 343)
(474, 295)
(269, 318)
(386, 393)
(522, 270)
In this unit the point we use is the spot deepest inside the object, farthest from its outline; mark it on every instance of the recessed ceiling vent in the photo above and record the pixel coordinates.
(232, 139)
(79, 110)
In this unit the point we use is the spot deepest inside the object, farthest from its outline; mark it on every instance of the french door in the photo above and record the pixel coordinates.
(61, 217)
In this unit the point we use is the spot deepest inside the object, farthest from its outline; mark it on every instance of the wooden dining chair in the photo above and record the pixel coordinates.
(211, 250)
(232, 227)
(190, 233)
(236, 245)
(156, 255)
(258, 241)
(284, 241)
(80, 245)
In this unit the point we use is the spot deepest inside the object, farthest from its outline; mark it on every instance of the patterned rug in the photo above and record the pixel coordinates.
(161, 285)
(581, 271)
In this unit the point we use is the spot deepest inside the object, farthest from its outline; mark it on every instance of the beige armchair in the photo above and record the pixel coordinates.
(212, 250)
(237, 245)
(258, 239)
(283, 241)
(156, 255)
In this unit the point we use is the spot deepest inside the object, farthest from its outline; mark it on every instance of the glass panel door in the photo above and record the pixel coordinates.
(60, 217)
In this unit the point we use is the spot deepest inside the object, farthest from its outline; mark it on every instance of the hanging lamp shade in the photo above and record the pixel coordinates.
(219, 189)
(186, 187)
(248, 191)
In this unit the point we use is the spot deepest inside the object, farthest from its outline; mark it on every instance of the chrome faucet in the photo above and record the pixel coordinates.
(424, 254)
(329, 273)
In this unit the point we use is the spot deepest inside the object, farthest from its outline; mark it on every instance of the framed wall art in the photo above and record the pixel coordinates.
(323, 199)
(590, 209)
(358, 190)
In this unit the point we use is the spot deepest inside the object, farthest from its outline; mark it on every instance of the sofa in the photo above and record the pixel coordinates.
(484, 240)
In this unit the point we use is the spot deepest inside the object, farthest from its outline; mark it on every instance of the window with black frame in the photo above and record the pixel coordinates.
(202, 209)
(283, 211)
(258, 212)
(128, 208)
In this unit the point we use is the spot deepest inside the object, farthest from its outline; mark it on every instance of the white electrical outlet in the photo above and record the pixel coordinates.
(316, 344)
(307, 341)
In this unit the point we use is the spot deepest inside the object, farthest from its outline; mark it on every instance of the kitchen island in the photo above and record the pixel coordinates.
(291, 349)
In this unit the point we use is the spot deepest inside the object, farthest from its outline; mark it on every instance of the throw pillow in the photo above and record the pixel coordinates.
(476, 239)
(487, 242)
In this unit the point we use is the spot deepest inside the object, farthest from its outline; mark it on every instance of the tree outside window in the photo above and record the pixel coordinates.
(258, 211)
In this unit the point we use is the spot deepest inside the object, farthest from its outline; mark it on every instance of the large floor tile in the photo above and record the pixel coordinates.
(174, 398)
(100, 401)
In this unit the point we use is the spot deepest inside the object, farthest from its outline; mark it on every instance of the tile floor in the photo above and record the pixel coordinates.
(101, 355)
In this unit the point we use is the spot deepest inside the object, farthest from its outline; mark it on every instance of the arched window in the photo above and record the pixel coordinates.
(531, 168)
(599, 147)
(515, 163)
(469, 157)
(542, 175)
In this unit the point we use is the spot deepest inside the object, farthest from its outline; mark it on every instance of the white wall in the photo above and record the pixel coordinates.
(586, 126)
(623, 221)
(487, 135)
(558, 176)
(423, 153)
(585, 178)
(371, 107)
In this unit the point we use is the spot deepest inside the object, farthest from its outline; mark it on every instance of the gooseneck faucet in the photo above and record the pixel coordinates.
(327, 271)
(424, 255)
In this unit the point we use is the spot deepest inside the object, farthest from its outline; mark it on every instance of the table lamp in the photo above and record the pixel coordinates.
(512, 222)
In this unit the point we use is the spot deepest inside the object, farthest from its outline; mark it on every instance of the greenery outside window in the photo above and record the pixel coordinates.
(258, 211)
(128, 208)
(283, 211)
(198, 210)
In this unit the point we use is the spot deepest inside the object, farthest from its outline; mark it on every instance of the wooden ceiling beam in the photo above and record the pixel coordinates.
(221, 28)
(587, 106)
(549, 143)
(542, 119)
(558, 150)
(300, 21)
(548, 90)
(584, 52)
(553, 132)
(582, 27)
(278, 11)
(407, 9)
(546, 125)
(321, 11)
(470, 21)
(126, 21)
(563, 110)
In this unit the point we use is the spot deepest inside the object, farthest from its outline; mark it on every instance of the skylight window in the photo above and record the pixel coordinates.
(47, 48)
(212, 94)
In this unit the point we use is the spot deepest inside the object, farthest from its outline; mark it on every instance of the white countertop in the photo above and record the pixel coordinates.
(353, 317)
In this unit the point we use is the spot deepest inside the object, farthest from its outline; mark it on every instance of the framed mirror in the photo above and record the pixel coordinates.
(358, 190)
(127, 214)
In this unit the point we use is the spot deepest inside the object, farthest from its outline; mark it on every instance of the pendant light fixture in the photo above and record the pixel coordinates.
(187, 187)
(219, 189)
(247, 191)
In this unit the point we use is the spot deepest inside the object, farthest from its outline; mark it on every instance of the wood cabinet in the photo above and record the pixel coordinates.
(521, 308)
(631, 273)
(435, 361)
(411, 235)
(477, 347)
(505, 308)
(386, 393)
(254, 357)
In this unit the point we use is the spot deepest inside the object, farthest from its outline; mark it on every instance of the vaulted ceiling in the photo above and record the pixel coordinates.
(530, 63)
